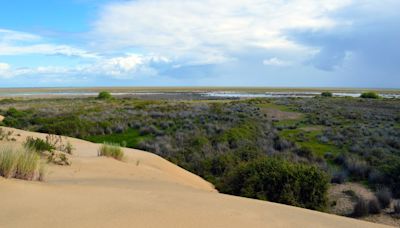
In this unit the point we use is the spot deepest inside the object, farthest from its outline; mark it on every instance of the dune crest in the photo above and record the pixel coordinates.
(144, 190)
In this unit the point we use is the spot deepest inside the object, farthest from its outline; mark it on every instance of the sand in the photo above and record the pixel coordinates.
(142, 191)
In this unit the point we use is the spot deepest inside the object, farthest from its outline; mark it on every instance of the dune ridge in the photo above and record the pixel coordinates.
(144, 190)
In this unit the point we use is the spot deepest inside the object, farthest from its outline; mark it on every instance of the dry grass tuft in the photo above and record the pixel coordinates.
(18, 162)
(111, 150)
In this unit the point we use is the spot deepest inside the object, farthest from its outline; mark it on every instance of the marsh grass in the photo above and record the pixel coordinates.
(111, 150)
(20, 163)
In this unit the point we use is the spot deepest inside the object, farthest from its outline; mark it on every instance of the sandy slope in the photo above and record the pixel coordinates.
(143, 191)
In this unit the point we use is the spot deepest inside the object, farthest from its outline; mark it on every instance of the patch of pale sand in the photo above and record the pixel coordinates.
(276, 114)
(102, 192)
(344, 203)
(1, 118)
(85, 155)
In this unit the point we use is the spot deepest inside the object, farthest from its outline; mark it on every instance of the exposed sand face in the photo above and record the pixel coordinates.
(143, 191)
(1, 118)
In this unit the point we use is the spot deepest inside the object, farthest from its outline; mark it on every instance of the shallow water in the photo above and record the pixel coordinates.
(220, 94)
(287, 94)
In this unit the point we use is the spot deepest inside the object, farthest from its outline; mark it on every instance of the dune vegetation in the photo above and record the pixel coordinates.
(229, 141)
(19, 162)
(111, 150)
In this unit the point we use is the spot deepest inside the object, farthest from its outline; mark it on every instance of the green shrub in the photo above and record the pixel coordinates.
(279, 181)
(371, 95)
(104, 95)
(326, 94)
(111, 150)
(19, 163)
(38, 145)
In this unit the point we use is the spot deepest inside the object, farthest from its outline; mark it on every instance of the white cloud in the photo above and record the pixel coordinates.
(20, 43)
(10, 35)
(125, 66)
(122, 67)
(276, 62)
(208, 31)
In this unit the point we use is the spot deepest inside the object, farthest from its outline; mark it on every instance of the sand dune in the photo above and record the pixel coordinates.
(143, 191)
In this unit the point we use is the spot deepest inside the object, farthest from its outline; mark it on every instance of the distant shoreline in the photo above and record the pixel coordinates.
(191, 89)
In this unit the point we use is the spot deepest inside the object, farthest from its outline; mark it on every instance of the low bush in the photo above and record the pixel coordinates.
(371, 95)
(384, 197)
(326, 94)
(339, 177)
(104, 95)
(111, 150)
(18, 163)
(279, 181)
(361, 208)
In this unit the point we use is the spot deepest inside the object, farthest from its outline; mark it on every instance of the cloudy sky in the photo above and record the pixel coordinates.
(300, 43)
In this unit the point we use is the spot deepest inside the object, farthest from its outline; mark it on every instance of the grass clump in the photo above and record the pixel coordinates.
(104, 95)
(371, 95)
(111, 150)
(38, 145)
(20, 163)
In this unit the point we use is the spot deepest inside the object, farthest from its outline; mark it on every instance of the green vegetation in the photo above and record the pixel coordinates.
(38, 145)
(280, 181)
(129, 138)
(111, 150)
(345, 139)
(326, 94)
(104, 95)
(371, 95)
(18, 163)
(310, 140)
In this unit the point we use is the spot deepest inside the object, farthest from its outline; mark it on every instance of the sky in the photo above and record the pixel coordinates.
(271, 43)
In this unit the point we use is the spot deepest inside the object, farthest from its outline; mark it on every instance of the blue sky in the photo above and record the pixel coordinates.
(278, 43)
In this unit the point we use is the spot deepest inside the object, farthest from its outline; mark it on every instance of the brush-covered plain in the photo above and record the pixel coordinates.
(236, 141)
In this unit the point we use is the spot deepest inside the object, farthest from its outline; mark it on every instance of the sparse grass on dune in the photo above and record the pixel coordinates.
(111, 150)
(18, 162)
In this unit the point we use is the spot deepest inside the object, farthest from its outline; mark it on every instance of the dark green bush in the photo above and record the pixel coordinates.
(397, 207)
(361, 208)
(384, 197)
(391, 179)
(279, 181)
(371, 95)
(326, 94)
(374, 207)
(104, 95)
